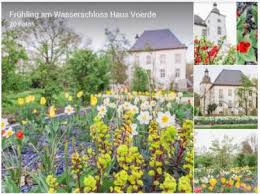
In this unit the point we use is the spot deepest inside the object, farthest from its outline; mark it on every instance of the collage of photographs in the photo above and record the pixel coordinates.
(127, 97)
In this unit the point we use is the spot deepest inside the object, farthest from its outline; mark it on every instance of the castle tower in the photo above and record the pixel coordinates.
(216, 24)
(205, 85)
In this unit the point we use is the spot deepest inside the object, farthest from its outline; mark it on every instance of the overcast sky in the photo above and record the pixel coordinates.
(178, 17)
(204, 137)
(214, 70)
(226, 8)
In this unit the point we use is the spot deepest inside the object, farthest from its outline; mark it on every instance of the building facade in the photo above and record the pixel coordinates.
(163, 56)
(224, 93)
(213, 26)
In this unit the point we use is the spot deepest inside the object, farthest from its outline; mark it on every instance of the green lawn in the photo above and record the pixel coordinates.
(227, 126)
(9, 102)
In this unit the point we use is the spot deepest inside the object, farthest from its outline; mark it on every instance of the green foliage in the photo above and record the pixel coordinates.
(204, 160)
(243, 159)
(13, 55)
(117, 46)
(89, 71)
(247, 34)
(140, 82)
(211, 108)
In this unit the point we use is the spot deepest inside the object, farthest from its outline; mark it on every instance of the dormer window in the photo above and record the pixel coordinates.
(148, 60)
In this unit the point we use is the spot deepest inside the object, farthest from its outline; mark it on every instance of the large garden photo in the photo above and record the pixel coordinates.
(82, 119)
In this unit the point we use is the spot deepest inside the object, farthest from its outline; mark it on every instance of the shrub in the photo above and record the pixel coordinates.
(140, 80)
(89, 71)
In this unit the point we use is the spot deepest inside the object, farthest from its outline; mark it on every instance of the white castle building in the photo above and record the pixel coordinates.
(213, 26)
(223, 93)
(163, 56)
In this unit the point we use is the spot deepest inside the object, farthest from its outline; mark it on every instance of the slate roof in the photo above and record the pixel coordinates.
(229, 78)
(157, 40)
(199, 21)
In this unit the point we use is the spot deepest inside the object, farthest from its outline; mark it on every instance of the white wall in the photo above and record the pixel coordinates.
(198, 30)
(213, 24)
(213, 95)
(170, 65)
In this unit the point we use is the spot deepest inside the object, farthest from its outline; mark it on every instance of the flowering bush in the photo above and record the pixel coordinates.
(246, 33)
(234, 180)
(131, 142)
(208, 53)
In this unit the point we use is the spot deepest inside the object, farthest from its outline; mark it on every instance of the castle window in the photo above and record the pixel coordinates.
(177, 58)
(250, 103)
(162, 59)
(137, 60)
(229, 104)
(148, 60)
(220, 93)
(220, 104)
(204, 32)
(250, 93)
(177, 73)
(219, 20)
(219, 30)
(162, 73)
(229, 92)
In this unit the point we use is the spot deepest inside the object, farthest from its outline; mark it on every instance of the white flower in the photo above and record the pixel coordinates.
(180, 94)
(165, 119)
(106, 101)
(153, 103)
(134, 109)
(134, 132)
(8, 133)
(144, 117)
(102, 110)
(69, 110)
(112, 105)
(4, 123)
(145, 105)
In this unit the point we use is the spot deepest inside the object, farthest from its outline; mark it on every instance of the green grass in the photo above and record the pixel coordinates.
(9, 104)
(228, 126)
(187, 94)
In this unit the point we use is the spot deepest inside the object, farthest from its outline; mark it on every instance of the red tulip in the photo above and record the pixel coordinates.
(243, 46)
(19, 135)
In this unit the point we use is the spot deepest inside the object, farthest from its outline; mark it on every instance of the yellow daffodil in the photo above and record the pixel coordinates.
(66, 95)
(223, 180)
(42, 101)
(52, 111)
(70, 98)
(93, 100)
(213, 182)
(20, 101)
(79, 94)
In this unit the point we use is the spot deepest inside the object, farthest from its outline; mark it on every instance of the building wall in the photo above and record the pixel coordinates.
(227, 101)
(175, 59)
(198, 30)
(214, 21)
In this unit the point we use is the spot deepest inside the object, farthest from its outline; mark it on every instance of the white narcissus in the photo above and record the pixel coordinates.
(4, 123)
(144, 117)
(165, 119)
(102, 110)
(69, 110)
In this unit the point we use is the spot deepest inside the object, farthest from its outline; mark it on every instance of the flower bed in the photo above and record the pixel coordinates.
(233, 180)
(121, 143)
(225, 120)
